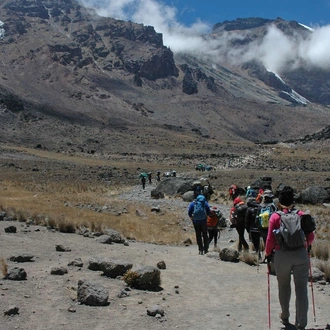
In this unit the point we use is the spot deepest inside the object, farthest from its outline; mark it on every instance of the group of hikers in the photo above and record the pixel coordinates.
(147, 176)
(283, 232)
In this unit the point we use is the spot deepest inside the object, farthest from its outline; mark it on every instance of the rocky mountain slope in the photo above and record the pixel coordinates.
(74, 81)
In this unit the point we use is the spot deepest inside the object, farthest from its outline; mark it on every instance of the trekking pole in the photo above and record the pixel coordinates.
(268, 277)
(312, 288)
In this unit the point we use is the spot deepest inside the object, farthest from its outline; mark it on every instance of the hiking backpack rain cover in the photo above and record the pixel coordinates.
(199, 212)
(290, 235)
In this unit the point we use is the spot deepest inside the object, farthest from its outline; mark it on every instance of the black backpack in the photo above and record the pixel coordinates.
(238, 217)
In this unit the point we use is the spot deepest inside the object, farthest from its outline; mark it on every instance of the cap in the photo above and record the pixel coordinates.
(268, 193)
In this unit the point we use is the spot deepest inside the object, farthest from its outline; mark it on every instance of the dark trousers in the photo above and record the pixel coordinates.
(201, 236)
(256, 234)
(213, 234)
(240, 228)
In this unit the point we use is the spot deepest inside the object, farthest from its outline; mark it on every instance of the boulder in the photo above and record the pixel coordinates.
(315, 195)
(229, 255)
(92, 294)
(114, 235)
(147, 278)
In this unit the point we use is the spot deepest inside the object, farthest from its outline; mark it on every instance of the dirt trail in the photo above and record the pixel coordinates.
(200, 292)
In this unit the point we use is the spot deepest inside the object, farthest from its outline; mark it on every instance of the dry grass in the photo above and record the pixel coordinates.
(3, 267)
(325, 268)
(249, 258)
(68, 207)
(321, 249)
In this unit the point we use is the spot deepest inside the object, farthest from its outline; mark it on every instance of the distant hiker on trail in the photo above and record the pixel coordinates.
(149, 177)
(250, 192)
(259, 196)
(291, 256)
(198, 211)
(197, 187)
(158, 176)
(143, 178)
(233, 192)
(237, 218)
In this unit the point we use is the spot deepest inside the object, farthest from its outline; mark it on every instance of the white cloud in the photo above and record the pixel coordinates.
(276, 50)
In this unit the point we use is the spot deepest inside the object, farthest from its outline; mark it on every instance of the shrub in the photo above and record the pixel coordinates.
(131, 277)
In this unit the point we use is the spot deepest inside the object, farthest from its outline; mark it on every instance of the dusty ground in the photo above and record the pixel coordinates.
(199, 291)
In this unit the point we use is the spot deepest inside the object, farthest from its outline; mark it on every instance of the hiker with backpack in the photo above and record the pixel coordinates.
(213, 225)
(251, 226)
(198, 212)
(289, 239)
(237, 217)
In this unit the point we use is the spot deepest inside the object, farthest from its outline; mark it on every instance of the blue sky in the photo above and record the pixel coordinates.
(308, 12)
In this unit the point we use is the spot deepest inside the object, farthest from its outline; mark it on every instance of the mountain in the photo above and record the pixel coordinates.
(73, 81)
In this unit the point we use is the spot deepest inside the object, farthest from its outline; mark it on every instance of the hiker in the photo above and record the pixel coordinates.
(237, 218)
(213, 225)
(250, 193)
(198, 211)
(174, 174)
(143, 182)
(251, 224)
(149, 177)
(233, 192)
(259, 196)
(158, 176)
(197, 187)
(289, 261)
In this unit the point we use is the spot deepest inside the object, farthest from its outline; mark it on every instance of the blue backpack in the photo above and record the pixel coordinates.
(199, 212)
(264, 215)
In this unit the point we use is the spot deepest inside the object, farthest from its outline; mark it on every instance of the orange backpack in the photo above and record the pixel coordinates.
(212, 219)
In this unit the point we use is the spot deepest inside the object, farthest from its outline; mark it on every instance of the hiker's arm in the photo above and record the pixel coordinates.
(270, 241)
(207, 207)
(190, 210)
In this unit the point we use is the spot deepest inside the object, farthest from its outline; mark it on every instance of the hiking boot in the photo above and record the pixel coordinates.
(207, 251)
(200, 252)
(285, 322)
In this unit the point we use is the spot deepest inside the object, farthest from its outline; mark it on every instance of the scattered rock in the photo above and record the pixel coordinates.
(114, 268)
(115, 236)
(92, 294)
(161, 264)
(11, 229)
(154, 310)
(229, 255)
(25, 257)
(61, 248)
(76, 262)
(14, 310)
(148, 278)
(16, 274)
(58, 271)
(187, 242)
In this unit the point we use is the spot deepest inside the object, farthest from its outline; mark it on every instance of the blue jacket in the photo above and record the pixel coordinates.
(191, 209)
